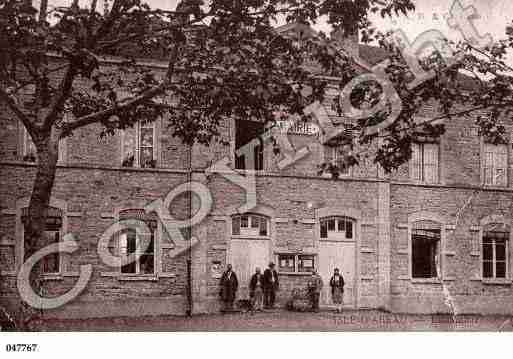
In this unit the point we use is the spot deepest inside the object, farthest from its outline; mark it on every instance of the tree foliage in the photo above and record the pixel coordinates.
(66, 68)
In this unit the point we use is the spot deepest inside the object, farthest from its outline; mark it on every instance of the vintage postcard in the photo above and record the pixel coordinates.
(261, 166)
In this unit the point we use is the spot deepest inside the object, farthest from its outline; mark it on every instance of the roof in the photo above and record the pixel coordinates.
(368, 55)
(372, 54)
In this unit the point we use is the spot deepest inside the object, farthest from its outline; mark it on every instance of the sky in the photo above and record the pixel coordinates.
(429, 15)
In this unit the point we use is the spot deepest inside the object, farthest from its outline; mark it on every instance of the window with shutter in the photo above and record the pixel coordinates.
(29, 151)
(495, 165)
(139, 146)
(430, 162)
(424, 163)
(415, 163)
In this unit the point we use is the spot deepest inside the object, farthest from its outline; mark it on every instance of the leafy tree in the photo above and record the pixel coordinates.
(468, 81)
(224, 60)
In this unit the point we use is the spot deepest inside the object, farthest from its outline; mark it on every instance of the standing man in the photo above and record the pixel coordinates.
(256, 291)
(229, 285)
(314, 290)
(271, 285)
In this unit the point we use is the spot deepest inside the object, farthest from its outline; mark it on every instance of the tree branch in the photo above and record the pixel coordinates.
(146, 95)
(416, 125)
(11, 104)
(103, 114)
(65, 88)
(43, 9)
(499, 62)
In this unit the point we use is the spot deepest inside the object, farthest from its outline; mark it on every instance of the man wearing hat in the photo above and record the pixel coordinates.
(271, 285)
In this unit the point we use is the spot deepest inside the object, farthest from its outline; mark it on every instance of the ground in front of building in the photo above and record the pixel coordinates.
(278, 320)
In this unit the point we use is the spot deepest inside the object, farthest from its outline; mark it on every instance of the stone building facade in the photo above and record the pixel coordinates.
(434, 236)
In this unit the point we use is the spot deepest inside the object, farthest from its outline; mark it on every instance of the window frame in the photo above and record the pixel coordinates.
(421, 145)
(495, 153)
(296, 256)
(249, 232)
(437, 259)
(494, 249)
(337, 238)
(26, 142)
(260, 153)
(60, 231)
(434, 217)
(331, 155)
(137, 128)
(137, 251)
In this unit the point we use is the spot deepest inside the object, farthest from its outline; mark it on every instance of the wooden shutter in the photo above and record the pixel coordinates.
(500, 165)
(415, 162)
(129, 147)
(430, 162)
(488, 164)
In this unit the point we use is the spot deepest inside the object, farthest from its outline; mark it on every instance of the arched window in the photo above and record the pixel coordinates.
(129, 243)
(337, 228)
(495, 245)
(425, 249)
(252, 225)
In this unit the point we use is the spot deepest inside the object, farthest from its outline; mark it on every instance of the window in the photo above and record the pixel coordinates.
(495, 249)
(334, 157)
(495, 164)
(50, 264)
(306, 263)
(29, 148)
(286, 263)
(296, 263)
(337, 228)
(139, 146)
(29, 151)
(252, 225)
(424, 162)
(425, 249)
(129, 244)
(245, 132)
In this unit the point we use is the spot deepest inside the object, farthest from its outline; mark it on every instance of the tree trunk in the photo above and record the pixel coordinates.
(47, 155)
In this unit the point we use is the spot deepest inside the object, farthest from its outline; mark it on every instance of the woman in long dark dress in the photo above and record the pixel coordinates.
(337, 289)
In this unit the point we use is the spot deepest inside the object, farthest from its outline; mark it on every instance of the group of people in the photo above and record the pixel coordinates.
(263, 288)
(315, 285)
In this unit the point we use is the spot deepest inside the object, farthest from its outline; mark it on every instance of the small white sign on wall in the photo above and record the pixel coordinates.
(216, 269)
